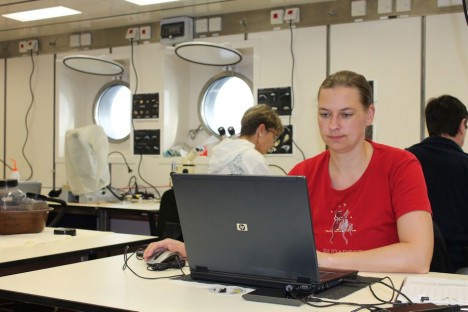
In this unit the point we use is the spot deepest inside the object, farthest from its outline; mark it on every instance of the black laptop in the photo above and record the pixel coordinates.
(251, 230)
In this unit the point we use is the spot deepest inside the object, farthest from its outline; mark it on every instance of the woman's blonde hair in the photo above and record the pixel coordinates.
(346, 78)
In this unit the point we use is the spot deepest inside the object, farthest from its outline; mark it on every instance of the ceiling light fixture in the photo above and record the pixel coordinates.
(93, 65)
(146, 2)
(208, 53)
(40, 14)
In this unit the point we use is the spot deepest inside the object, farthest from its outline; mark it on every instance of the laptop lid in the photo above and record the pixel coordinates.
(252, 230)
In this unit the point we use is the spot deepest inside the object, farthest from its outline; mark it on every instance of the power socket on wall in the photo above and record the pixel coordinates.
(28, 45)
(292, 15)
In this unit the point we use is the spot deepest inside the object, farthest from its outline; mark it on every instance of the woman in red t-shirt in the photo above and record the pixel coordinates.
(369, 202)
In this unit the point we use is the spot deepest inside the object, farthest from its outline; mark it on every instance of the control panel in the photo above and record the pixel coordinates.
(277, 98)
(145, 106)
(284, 143)
(146, 142)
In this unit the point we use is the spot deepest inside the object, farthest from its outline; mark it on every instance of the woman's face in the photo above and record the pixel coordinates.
(342, 118)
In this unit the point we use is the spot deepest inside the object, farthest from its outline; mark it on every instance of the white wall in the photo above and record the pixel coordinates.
(39, 137)
(387, 52)
(447, 57)
(275, 70)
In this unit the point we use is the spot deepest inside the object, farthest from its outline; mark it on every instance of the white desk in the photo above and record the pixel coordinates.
(103, 211)
(102, 285)
(19, 251)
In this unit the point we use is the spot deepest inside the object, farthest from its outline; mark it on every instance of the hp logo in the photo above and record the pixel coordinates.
(242, 227)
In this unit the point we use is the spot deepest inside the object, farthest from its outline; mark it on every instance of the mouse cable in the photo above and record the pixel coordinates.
(177, 263)
(125, 266)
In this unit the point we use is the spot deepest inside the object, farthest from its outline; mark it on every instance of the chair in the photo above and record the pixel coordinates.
(440, 260)
(168, 224)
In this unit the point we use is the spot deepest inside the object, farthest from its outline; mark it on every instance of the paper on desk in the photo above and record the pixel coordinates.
(435, 290)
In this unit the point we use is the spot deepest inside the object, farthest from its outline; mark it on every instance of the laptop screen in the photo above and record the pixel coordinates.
(254, 230)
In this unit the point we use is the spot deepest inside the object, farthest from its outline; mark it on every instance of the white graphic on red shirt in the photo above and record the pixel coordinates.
(341, 223)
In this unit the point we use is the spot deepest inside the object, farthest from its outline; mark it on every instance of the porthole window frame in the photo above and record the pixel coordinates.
(99, 95)
(203, 95)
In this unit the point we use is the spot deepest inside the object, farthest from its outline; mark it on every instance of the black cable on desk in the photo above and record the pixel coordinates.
(323, 303)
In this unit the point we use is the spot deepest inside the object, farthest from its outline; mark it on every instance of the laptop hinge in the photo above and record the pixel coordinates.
(201, 269)
(303, 280)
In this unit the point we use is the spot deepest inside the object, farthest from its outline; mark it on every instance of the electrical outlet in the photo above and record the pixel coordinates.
(145, 32)
(201, 25)
(384, 6)
(85, 39)
(403, 5)
(292, 15)
(133, 33)
(75, 41)
(358, 8)
(277, 17)
(22, 46)
(32, 45)
(214, 24)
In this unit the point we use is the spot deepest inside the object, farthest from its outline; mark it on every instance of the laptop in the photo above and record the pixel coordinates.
(251, 230)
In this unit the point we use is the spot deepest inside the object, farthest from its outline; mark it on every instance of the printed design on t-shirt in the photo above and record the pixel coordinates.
(235, 165)
(341, 223)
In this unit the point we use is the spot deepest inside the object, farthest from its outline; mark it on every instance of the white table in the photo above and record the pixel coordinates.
(22, 252)
(102, 285)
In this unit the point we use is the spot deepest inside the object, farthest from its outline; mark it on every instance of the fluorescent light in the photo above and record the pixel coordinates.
(40, 14)
(146, 2)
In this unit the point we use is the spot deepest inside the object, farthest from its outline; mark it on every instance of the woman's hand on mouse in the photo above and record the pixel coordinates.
(165, 244)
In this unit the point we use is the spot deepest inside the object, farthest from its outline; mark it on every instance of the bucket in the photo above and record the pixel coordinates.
(22, 222)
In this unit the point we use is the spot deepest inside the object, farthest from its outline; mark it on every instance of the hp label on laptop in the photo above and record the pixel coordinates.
(242, 227)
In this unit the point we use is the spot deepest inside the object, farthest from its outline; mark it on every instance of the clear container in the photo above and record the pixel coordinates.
(12, 198)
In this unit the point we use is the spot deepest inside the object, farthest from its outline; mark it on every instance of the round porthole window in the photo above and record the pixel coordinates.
(113, 109)
(224, 100)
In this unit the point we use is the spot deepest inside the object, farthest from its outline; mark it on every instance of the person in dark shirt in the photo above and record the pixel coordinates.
(445, 167)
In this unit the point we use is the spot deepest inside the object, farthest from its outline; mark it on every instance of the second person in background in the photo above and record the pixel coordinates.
(260, 127)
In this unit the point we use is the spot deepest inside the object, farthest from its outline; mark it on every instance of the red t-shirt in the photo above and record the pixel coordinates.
(364, 215)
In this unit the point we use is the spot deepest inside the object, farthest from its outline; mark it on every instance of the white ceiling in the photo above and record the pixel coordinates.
(100, 14)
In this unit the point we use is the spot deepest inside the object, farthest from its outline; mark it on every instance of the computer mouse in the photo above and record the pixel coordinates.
(164, 256)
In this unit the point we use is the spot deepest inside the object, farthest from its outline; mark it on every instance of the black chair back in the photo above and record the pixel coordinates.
(168, 224)
(440, 260)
